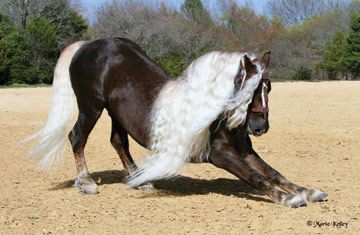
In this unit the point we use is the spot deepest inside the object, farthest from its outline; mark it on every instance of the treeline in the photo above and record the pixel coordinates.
(32, 35)
(309, 39)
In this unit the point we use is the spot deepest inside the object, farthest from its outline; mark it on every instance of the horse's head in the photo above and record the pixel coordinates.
(258, 112)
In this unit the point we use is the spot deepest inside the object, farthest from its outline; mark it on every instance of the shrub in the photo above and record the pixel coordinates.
(302, 73)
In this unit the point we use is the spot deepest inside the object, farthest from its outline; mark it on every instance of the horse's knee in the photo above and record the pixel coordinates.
(259, 182)
(218, 160)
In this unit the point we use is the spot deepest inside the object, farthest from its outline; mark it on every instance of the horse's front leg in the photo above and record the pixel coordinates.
(228, 159)
(274, 177)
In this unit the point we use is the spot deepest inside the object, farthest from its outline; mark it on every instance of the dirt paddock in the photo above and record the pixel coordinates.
(314, 140)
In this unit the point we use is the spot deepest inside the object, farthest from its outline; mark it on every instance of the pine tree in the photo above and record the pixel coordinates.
(42, 39)
(332, 55)
(195, 11)
(351, 57)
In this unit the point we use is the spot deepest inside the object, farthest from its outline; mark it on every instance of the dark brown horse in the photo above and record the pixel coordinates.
(116, 75)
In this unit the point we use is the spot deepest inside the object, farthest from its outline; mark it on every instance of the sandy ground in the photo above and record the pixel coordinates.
(313, 140)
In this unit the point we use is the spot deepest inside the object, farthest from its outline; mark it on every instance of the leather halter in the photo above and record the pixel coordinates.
(259, 108)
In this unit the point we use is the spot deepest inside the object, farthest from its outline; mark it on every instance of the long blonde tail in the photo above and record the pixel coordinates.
(50, 139)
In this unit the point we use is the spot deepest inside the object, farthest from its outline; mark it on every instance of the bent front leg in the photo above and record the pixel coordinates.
(228, 159)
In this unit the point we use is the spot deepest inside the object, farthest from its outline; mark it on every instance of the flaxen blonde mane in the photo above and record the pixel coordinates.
(185, 109)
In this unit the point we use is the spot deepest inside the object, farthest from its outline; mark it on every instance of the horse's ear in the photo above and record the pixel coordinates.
(250, 68)
(266, 59)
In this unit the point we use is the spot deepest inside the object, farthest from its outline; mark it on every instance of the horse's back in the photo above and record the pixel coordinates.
(116, 74)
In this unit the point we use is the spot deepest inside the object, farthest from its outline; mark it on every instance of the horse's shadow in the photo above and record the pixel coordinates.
(180, 186)
(101, 178)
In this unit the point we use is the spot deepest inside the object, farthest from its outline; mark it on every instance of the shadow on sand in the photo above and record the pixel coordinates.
(179, 186)
(101, 178)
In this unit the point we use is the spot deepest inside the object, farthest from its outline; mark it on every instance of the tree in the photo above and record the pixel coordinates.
(4, 61)
(304, 45)
(172, 39)
(41, 38)
(6, 27)
(255, 32)
(351, 56)
(195, 11)
(293, 12)
(20, 11)
(69, 25)
(21, 68)
(332, 56)
(32, 34)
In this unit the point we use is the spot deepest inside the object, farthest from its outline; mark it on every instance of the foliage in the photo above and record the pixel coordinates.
(5, 28)
(294, 12)
(175, 38)
(22, 69)
(174, 63)
(69, 25)
(305, 44)
(253, 31)
(351, 56)
(332, 56)
(307, 38)
(30, 46)
(302, 73)
(41, 38)
(195, 11)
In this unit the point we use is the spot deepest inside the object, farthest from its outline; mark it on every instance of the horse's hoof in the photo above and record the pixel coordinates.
(314, 195)
(86, 185)
(147, 187)
(295, 201)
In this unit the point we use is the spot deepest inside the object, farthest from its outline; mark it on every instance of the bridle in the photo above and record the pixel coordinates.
(265, 98)
(264, 82)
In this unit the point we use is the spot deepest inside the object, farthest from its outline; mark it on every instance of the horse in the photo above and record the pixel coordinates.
(116, 74)
(232, 151)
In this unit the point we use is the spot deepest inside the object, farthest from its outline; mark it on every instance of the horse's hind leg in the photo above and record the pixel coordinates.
(120, 141)
(275, 178)
(78, 138)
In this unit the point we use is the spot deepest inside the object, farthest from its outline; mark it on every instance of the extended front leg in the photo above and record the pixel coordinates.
(275, 178)
(228, 159)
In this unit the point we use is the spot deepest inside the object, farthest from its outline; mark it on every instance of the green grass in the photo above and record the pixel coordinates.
(21, 85)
